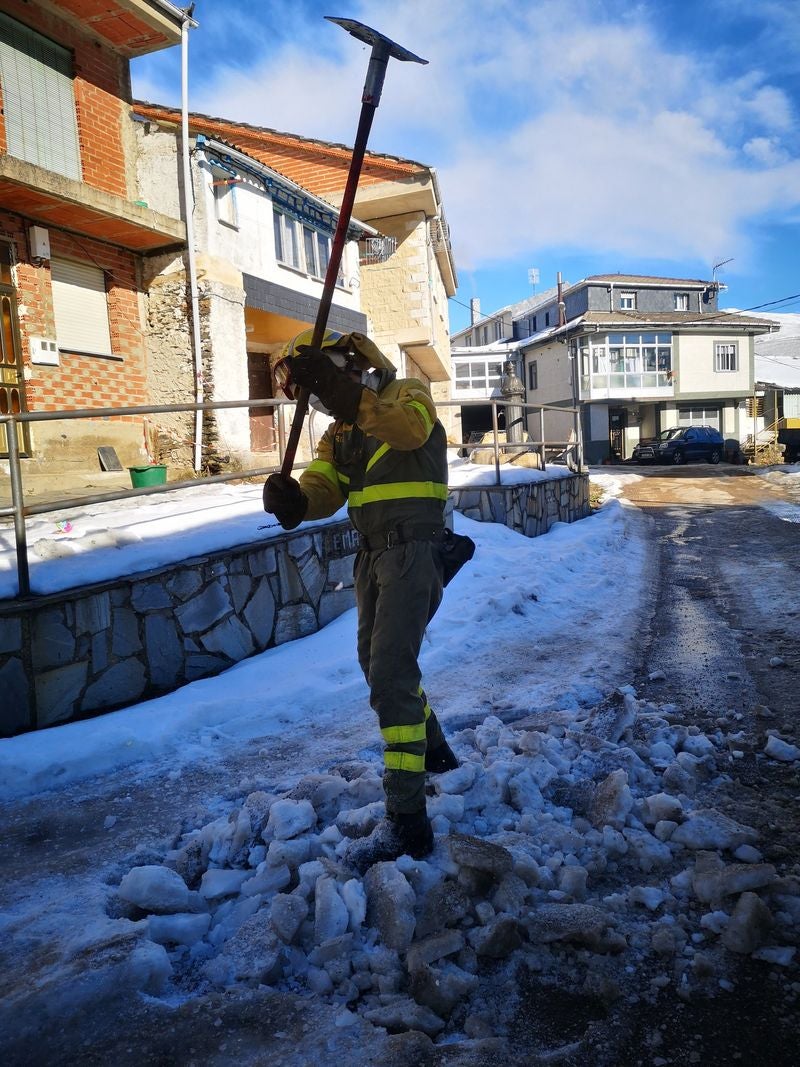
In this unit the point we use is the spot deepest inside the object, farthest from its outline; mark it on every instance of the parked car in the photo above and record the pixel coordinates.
(681, 444)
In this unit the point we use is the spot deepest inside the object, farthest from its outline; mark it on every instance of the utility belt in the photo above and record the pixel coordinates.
(454, 549)
(402, 534)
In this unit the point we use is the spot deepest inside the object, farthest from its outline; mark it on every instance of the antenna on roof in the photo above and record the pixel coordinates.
(716, 267)
(533, 278)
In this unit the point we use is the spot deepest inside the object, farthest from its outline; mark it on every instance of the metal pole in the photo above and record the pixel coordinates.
(541, 437)
(496, 443)
(18, 502)
(382, 51)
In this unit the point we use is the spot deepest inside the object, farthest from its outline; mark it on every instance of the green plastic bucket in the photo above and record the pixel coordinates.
(155, 474)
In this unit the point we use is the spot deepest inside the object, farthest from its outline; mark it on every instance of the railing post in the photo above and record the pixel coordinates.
(496, 442)
(18, 503)
(281, 434)
(541, 437)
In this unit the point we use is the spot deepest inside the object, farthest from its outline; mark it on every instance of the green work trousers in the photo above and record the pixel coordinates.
(397, 593)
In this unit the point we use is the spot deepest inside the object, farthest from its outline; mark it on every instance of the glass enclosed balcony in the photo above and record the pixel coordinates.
(626, 364)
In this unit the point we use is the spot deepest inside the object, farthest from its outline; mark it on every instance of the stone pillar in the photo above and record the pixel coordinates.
(513, 390)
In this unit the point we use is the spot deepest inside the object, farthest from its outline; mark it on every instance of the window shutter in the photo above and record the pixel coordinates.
(38, 99)
(81, 308)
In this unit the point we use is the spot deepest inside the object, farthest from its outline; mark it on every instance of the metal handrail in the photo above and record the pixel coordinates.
(20, 510)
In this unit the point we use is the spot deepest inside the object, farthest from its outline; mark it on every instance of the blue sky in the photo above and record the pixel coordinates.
(580, 136)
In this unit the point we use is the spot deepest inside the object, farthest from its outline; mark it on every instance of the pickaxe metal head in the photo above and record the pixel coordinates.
(383, 49)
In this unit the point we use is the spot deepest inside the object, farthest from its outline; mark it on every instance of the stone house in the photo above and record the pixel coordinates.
(260, 246)
(74, 232)
(407, 270)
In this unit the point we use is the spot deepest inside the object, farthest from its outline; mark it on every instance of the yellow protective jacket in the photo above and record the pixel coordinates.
(390, 467)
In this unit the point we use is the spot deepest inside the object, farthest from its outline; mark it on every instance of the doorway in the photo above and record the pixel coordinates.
(12, 383)
(262, 420)
(617, 425)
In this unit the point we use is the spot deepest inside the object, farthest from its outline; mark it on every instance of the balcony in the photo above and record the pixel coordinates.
(621, 385)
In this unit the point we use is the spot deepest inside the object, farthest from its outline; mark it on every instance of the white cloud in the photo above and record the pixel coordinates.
(553, 125)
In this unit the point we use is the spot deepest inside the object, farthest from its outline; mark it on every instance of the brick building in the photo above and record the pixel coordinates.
(73, 229)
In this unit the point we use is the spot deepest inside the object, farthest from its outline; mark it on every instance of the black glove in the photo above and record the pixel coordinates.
(284, 498)
(313, 370)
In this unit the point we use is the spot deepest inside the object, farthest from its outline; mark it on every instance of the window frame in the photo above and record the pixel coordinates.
(533, 375)
(38, 87)
(627, 300)
(681, 301)
(721, 356)
(289, 231)
(80, 311)
(224, 191)
(479, 374)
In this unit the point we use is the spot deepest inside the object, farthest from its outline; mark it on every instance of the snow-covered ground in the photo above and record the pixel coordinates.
(575, 839)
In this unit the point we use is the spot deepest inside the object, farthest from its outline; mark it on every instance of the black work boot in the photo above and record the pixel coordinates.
(441, 759)
(399, 834)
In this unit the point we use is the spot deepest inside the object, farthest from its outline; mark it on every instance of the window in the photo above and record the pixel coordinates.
(533, 374)
(480, 375)
(621, 361)
(38, 99)
(627, 301)
(80, 305)
(547, 318)
(225, 199)
(725, 356)
(681, 301)
(699, 417)
(302, 248)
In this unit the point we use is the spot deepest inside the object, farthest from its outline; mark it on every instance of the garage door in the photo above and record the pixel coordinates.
(699, 417)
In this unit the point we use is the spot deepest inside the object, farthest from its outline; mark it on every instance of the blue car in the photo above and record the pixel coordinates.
(682, 444)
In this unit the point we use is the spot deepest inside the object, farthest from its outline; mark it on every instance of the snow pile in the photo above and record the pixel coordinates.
(570, 841)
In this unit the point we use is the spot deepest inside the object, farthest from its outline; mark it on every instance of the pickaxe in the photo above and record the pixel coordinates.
(382, 51)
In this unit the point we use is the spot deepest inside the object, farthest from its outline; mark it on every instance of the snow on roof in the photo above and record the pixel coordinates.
(642, 279)
(778, 354)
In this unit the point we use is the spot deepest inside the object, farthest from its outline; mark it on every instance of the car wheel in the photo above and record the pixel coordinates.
(677, 457)
(715, 456)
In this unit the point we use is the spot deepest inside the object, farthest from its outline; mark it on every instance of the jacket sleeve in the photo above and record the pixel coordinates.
(401, 416)
(320, 482)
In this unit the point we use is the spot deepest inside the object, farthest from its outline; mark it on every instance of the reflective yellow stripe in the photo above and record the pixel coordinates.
(428, 708)
(401, 735)
(426, 415)
(398, 491)
(344, 478)
(380, 452)
(403, 761)
(327, 470)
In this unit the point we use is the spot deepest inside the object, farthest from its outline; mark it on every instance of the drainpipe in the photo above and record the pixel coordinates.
(188, 210)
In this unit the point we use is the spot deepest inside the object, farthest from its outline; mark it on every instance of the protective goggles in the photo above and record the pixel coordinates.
(283, 371)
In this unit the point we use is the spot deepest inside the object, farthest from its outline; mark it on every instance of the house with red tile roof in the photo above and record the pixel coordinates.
(404, 272)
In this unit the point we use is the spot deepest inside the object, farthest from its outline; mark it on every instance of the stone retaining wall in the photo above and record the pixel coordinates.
(75, 654)
(530, 508)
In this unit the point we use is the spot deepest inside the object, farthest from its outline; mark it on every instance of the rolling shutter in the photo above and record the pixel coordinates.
(80, 305)
(38, 99)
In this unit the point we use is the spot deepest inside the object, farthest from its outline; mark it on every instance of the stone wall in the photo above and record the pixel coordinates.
(530, 508)
(75, 654)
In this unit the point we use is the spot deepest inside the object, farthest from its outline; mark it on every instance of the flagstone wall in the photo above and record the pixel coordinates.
(76, 654)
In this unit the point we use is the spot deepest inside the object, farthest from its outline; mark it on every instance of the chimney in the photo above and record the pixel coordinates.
(474, 310)
(562, 310)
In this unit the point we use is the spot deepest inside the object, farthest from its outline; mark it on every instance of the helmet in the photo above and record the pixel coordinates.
(355, 349)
